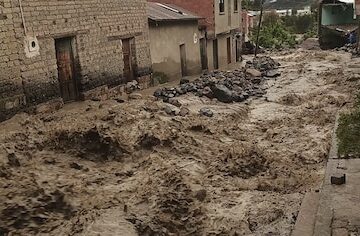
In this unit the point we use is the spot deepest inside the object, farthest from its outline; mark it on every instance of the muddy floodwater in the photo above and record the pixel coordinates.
(110, 168)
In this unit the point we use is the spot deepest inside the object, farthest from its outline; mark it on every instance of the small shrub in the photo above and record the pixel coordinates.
(274, 36)
(161, 77)
(348, 131)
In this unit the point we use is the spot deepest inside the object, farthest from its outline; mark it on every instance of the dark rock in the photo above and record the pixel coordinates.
(184, 111)
(96, 99)
(253, 72)
(222, 93)
(206, 112)
(50, 161)
(132, 86)
(207, 92)
(272, 73)
(338, 179)
(239, 98)
(201, 195)
(76, 166)
(13, 160)
(158, 92)
(226, 86)
(263, 64)
(4, 173)
(354, 77)
(135, 96)
(148, 141)
(184, 81)
(119, 100)
(171, 110)
(174, 102)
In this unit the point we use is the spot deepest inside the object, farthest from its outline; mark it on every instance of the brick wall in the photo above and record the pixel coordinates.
(11, 90)
(97, 27)
(203, 8)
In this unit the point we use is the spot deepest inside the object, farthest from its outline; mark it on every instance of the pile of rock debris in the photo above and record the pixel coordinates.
(350, 48)
(226, 86)
(266, 65)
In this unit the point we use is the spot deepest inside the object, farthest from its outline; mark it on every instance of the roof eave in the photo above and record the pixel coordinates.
(173, 20)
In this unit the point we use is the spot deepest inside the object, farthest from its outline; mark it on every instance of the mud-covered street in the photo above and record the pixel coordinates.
(113, 168)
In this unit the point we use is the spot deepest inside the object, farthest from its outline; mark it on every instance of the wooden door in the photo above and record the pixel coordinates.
(228, 45)
(127, 57)
(183, 60)
(215, 54)
(66, 72)
(203, 54)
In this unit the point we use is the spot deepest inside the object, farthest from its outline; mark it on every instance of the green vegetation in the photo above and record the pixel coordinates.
(161, 77)
(298, 24)
(279, 32)
(274, 34)
(253, 5)
(348, 131)
(289, 4)
(306, 24)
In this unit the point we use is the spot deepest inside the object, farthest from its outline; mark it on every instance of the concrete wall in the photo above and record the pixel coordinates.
(222, 19)
(336, 14)
(222, 46)
(222, 51)
(165, 41)
(97, 27)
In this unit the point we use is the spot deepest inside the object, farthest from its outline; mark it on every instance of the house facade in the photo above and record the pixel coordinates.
(67, 49)
(337, 19)
(175, 41)
(247, 24)
(221, 25)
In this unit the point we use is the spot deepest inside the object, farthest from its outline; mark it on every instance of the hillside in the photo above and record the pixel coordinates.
(287, 4)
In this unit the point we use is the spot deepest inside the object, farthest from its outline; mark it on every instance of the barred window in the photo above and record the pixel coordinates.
(222, 6)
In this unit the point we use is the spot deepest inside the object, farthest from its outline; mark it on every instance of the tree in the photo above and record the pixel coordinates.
(253, 5)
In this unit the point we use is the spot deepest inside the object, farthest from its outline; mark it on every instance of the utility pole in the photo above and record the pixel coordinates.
(259, 27)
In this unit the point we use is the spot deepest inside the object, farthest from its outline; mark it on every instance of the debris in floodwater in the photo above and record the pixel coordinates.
(227, 87)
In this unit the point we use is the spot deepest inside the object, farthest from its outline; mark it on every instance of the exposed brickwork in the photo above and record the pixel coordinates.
(97, 28)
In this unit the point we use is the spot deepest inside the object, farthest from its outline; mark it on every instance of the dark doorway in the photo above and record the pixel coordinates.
(203, 54)
(237, 45)
(128, 55)
(229, 14)
(228, 46)
(183, 60)
(215, 54)
(66, 69)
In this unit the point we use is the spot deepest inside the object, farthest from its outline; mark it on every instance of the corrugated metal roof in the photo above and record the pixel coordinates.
(169, 12)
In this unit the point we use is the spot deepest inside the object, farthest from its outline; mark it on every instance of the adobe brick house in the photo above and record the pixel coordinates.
(71, 49)
(222, 26)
